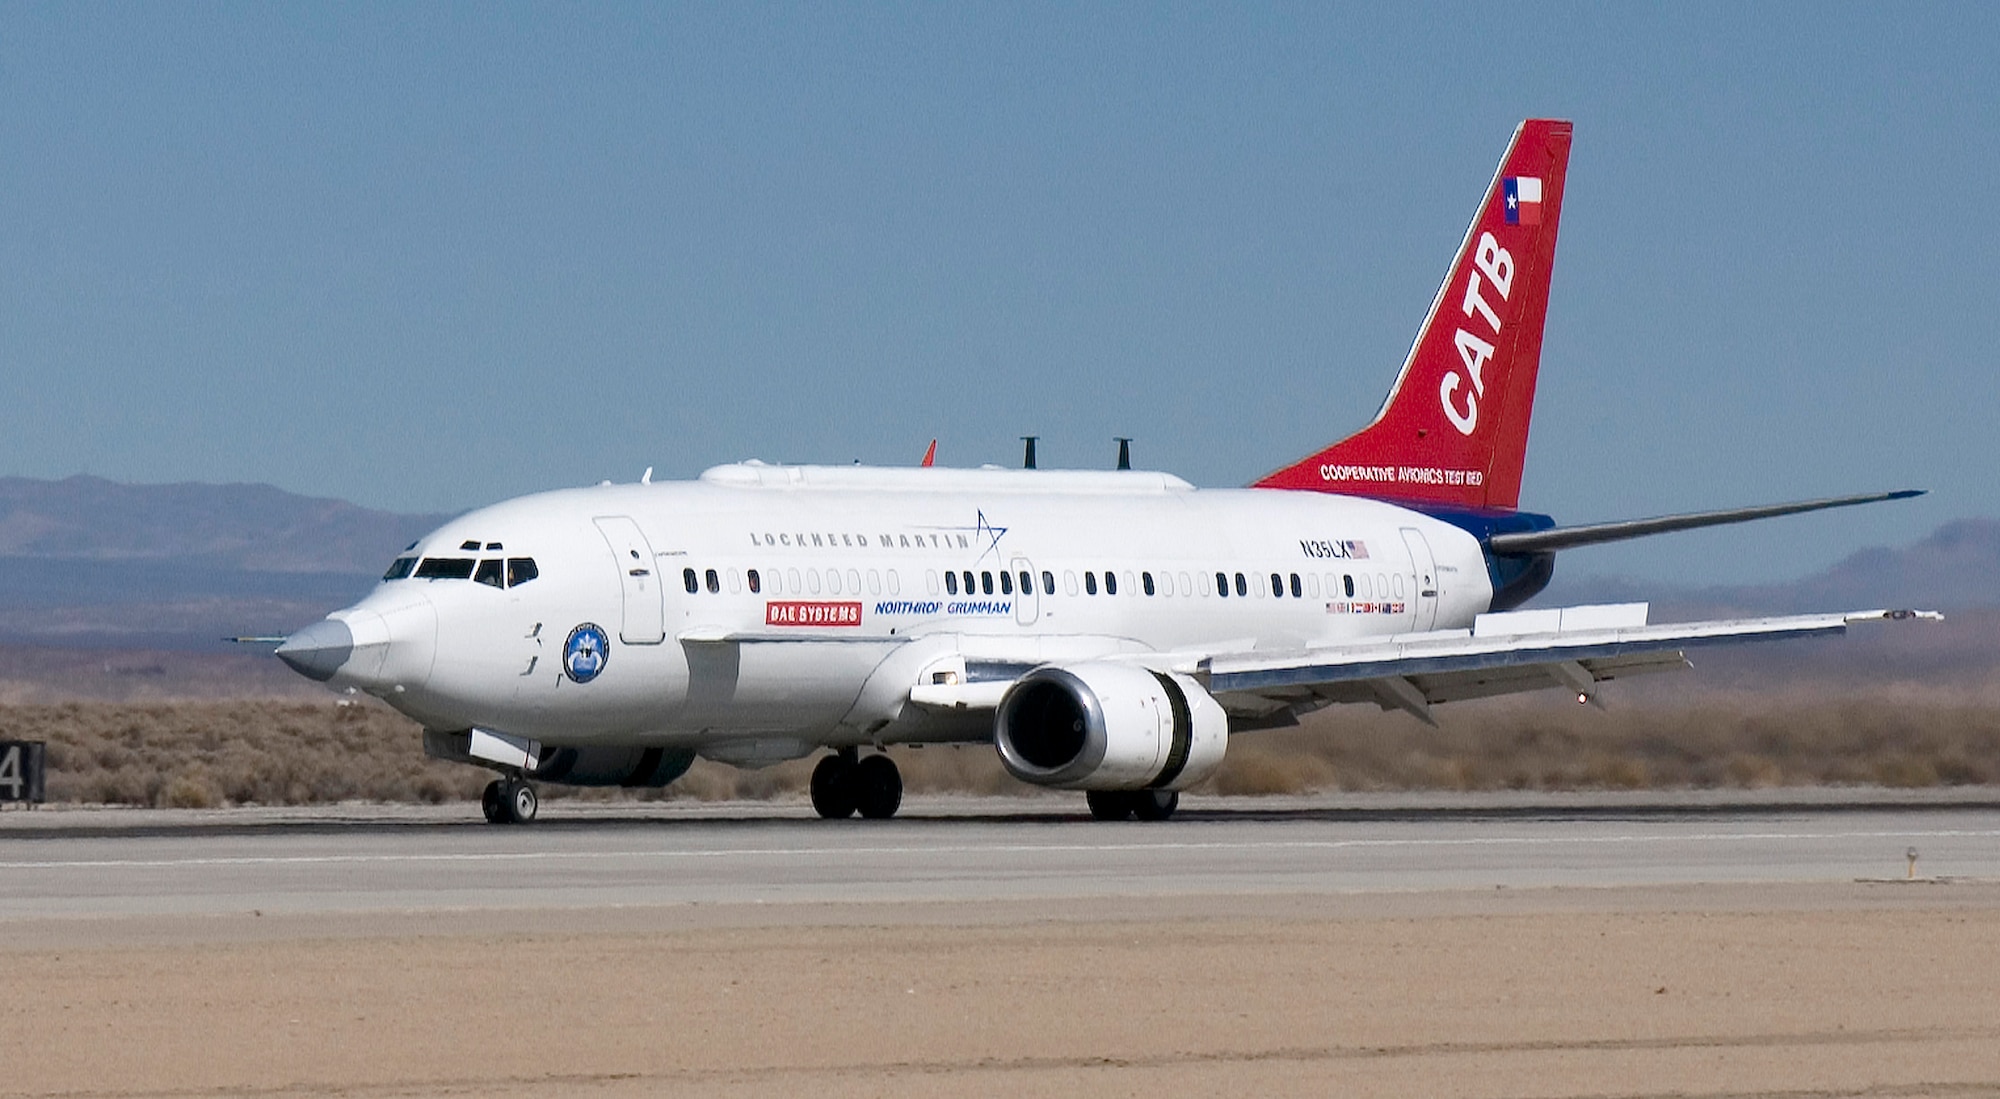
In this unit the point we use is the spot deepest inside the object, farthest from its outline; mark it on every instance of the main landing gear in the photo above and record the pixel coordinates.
(843, 785)
(509, 801)
(1126, 804)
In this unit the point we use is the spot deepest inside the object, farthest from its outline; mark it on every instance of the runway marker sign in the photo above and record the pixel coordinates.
(21, 770)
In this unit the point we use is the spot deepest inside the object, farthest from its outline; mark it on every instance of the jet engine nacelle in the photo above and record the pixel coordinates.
(1103, 726)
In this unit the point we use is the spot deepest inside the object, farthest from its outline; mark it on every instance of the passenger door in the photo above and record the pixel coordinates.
(1426, 603)
(645, 613)
(1027, 599)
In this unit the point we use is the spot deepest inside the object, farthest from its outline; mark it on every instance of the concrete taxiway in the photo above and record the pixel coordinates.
(945, 850)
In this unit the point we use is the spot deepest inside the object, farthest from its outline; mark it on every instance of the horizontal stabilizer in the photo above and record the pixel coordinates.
(1561, 538)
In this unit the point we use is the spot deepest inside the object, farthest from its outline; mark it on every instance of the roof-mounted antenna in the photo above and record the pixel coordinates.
(646, 478)
(1028, 459)
(1124, 451)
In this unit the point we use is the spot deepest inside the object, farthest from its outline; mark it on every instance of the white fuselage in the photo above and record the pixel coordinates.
(822, 595)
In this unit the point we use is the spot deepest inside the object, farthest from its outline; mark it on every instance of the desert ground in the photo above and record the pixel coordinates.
(1795, 990)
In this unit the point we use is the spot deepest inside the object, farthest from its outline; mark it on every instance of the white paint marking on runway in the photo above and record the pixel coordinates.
(997, 849)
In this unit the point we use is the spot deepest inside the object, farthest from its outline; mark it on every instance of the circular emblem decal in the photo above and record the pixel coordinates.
(585, 653)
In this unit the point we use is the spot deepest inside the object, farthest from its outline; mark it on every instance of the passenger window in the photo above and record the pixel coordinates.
(399, 568)
(1399, 585)
(520, 570)
(930, 580)
(1312, 584)
(1069, 582)
(1006, 583)
(756, 582)
(833, 581)
(792, 581)
(1298, 590)
(896, 583)
(1187, 585)
(1277, 585)
(1048, 582)
(1222, 585)
(812, 581)
(967, 577)
(1090, 583)
(445, 568)
(491, 573)
(1110, 582)
(874, 582)
(1242, 586)
(690, 581)
(714, 583)
(1347, 585)
(1146, 578)
(1027, 583)
(986, 582)
(951, 583)
(854, 581)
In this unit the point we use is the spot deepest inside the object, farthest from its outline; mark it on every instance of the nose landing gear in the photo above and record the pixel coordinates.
(509, 801)
(843, 785)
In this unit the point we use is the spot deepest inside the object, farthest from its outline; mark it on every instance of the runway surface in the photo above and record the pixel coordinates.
(1493, 947)
(952, 851)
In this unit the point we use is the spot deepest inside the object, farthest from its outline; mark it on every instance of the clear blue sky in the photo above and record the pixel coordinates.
(426, 257)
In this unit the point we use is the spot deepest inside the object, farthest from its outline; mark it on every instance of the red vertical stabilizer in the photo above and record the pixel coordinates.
(1454, 429)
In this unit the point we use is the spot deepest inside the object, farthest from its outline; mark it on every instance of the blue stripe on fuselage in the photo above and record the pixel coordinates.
(1515, 578)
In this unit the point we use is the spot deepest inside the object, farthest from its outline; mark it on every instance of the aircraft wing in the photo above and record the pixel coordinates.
(1574, 648)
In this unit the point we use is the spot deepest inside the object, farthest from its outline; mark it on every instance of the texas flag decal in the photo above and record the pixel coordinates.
(1523, 196)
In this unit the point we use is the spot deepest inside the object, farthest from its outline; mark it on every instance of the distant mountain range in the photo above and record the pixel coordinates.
(86, 562)
(90, 562)
(1956, 567)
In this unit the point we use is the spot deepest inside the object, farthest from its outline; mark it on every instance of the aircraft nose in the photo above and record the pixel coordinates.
(319, 650)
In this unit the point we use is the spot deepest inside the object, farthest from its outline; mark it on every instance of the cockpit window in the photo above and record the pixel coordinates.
(520, 570)
(445, 568)
(489, 572)
(400, 568)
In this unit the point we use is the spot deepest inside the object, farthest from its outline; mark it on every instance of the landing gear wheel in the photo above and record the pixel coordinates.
(521, 802)
(1155, 804)
(1109, 804)
(878, 787)
(490, 803)
(833, 787)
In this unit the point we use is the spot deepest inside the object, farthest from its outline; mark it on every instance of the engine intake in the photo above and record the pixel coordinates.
(1103, 726)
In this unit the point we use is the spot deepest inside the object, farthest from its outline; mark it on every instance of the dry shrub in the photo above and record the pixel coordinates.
(205, 753)
(1739, 740)
(265, 752)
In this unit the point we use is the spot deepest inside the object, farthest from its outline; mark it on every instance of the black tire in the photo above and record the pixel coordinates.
(521, 803)
(490, 804)
(878, 787)
(1109, 804)
(1155, 804)
(833, 783)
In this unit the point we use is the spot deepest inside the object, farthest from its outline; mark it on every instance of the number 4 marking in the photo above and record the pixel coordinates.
(10, 773)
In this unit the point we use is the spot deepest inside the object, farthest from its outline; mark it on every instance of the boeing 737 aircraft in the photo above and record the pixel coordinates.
(1105, 631)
